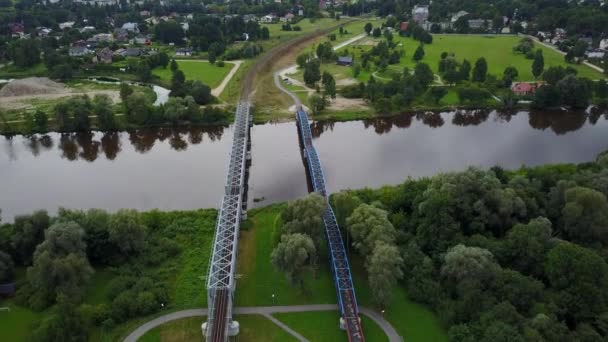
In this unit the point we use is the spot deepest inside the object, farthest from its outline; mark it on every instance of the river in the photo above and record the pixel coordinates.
(185, 168)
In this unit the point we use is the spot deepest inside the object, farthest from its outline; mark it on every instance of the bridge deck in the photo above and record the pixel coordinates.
(220, 281)
(339, 261)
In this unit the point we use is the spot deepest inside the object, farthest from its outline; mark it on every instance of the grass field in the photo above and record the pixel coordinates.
(16, 324)
(322, 326)
(11, 71)
(253, 328)
(497, 50)
(260, 280)
(211, 75)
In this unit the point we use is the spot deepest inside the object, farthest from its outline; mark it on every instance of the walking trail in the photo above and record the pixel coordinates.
(267, 312)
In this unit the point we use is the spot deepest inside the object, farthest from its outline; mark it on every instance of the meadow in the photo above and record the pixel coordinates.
(497, 50)
(197, 70)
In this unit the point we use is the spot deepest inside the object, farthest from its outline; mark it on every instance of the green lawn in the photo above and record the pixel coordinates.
(323, 326)
(211, 75)
(497, 50)
(260, 280)
(11, 71)
(16, 324)
(253, 328)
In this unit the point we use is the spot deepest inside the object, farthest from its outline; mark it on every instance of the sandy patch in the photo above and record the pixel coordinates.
(342, 103)
(24, 102)
(346, 82)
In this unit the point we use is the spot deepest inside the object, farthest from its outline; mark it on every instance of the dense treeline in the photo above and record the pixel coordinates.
(62, 253)
(499, 255)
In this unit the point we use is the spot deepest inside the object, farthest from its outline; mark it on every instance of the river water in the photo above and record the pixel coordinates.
(185, 168)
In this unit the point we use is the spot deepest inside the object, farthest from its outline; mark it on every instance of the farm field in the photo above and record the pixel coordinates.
(197, 70)
(497, 50)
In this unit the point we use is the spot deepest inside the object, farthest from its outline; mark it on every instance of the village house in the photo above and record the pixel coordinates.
(130, 27)
(403, 26)
(288, 18)
(184, 51)
(133, 52)
(420, 14)
(478, 24)
(458, 15)
(17, 29)
(44, 32)
(103, 38)
(66, 25)
(144, 14)
(345, 61)
(103, 56)
(141, 40)
(79, 51)
(87, 29)
(524, 88)
(249, 18)
(268, 19)
(595, 53)
(604, 44)
(121, 35)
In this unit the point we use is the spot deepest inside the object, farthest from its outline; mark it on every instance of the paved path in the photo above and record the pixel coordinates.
(266, 311)
(217, 91)
(552, 47)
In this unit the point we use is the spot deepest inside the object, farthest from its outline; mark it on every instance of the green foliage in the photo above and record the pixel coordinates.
(312, 72)
(7, 268)
(329, 85)
(419, 54)
(317, 103)
(102, 108)
(369, 226)
(169, 32)
(586, 216)
(24, 52)
(480, 70)
(127, 232)
(292, 255)
(305, 216)
(538, 66)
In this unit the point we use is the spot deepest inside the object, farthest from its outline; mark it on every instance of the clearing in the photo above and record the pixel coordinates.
(197, 70)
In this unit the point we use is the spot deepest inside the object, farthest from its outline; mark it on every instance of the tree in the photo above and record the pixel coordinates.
(138, 109)
(212, 56)
(329, 85)
(7, 268)
(369, 226)
(480, 70)
(525, 246)
(305, 216)
(102, 108)
(437, 93)
(24, 52)
(325, 52)
(293, 255)
(384, 270)
(509, 75)
(82, 109)
(538, 66)
(62, 71)
(601, 89)
(472, 266)
(344, 203)
(312, 72)
(580, 278)
(41, 121)
(579, 48)
(424, 75)
(178, 81)
(28, 232)
(173, 66)
(419, 54)
(574, 92)
(127, 232)
(465, 70)
(605, 64)
(368, 28)
(169, 32)
(462, 25)
(63, 118)
(377, 32)
(60, 265)
(143, 71)
(201, 93)
(302, 59)
(317, 103)
(547, 96)
(554, 74)
(586, 216)
(125, 91)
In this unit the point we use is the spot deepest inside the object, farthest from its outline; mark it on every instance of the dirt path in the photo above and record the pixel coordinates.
(20, 102)
(217, 91)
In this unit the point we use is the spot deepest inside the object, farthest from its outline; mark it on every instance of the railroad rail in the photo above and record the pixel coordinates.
(220, 279)
(339, 262)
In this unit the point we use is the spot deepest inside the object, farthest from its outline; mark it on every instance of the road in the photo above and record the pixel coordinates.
(552, 47)
(266, 311)
(217, 91)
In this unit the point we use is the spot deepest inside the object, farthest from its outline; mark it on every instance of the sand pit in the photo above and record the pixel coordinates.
(32, 86)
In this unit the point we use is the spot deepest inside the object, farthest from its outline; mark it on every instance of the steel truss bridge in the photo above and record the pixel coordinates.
(220, 279)
(339, 261)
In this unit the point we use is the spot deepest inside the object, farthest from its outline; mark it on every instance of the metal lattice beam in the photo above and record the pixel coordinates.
(339, 262)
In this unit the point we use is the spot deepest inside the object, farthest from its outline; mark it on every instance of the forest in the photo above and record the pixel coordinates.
(498, 255)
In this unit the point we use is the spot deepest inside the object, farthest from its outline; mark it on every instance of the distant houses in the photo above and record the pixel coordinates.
(104, 56)
(345, 60)
(184, 52)
(420, 14)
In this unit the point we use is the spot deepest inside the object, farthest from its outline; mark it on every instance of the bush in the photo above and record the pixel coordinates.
(354, 91)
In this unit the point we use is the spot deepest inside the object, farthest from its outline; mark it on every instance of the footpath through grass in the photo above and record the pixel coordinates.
(323, 326)
(260, 280)
(197, 70)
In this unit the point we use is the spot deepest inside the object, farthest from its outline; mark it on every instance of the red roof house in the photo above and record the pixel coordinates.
(524, 88)
(404, 25)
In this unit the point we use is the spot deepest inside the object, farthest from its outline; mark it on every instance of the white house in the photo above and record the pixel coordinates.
(66, 25)
(269, 18)
(131, 27)
(604, 44)
(459, 15)
(183, 52)
(420, 14)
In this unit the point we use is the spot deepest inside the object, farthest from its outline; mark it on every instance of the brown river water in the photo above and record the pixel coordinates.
(184, 168)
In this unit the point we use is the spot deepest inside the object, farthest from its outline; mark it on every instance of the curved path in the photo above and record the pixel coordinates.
(265, 311)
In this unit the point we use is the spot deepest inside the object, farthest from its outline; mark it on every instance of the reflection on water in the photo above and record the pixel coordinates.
(184, 168)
